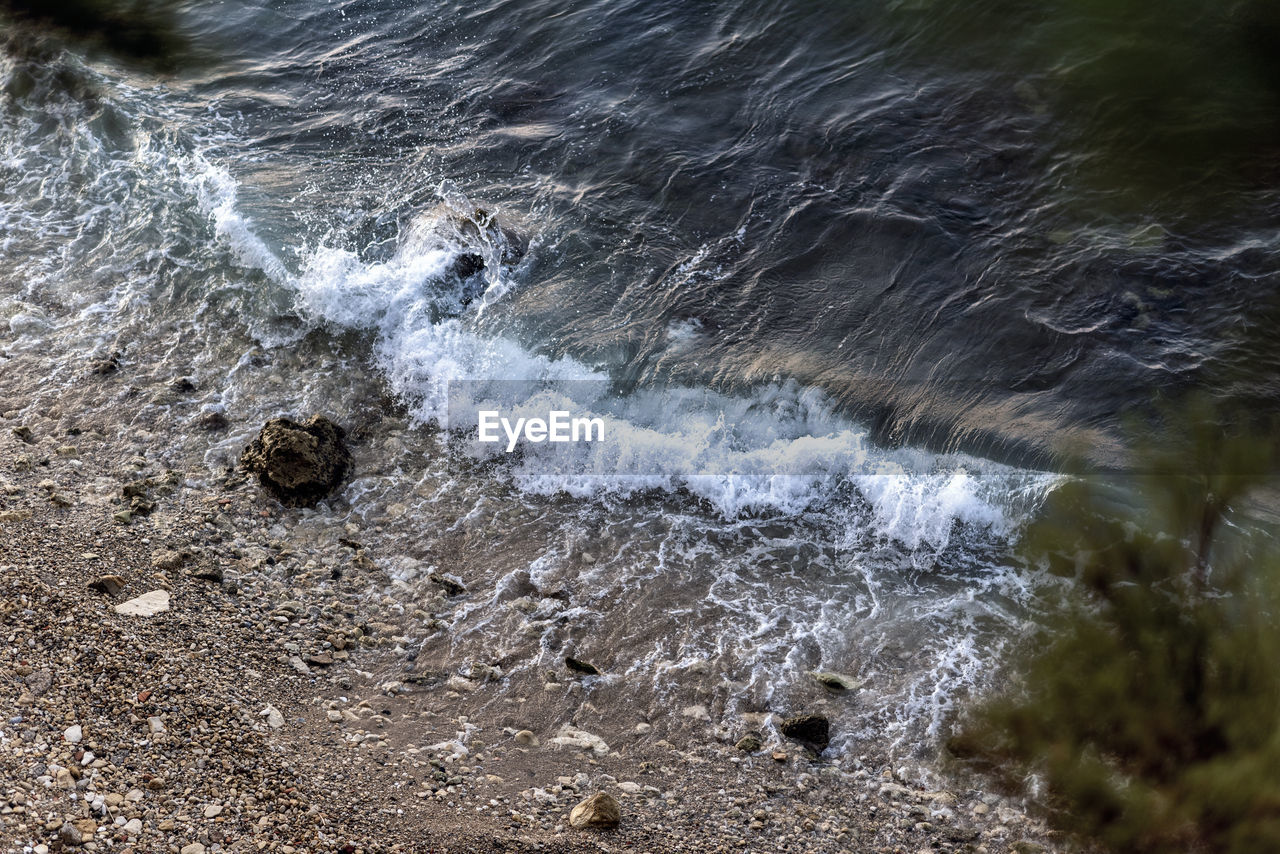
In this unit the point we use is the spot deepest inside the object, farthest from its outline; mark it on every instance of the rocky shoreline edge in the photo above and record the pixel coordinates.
(187, 668)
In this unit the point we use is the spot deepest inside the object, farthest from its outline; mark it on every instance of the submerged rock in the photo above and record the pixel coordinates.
(298, 462)
(599, 810)
(750, 743)
(212, 421)
(810, 730)
(837, 682)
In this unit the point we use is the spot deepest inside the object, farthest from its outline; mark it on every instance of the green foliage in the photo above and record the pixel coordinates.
(1150, 710)
(1156, 102)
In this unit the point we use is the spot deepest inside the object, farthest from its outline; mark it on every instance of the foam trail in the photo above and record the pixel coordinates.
(781, 449)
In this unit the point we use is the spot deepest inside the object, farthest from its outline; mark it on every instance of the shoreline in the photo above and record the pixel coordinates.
(360, 754)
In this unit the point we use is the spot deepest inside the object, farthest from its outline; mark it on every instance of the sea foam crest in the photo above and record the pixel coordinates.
(782, 449)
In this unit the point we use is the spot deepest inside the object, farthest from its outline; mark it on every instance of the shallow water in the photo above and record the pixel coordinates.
(849, 284)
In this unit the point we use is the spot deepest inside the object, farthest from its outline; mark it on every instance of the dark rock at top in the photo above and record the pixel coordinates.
(467, 265)
(811, 730)
(582, 667)
(298, 462)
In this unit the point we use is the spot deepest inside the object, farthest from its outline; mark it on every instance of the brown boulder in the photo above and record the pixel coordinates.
(599, 810)
(298, 462)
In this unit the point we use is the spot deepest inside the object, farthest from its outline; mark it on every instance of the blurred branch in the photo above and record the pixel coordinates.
(143, 32)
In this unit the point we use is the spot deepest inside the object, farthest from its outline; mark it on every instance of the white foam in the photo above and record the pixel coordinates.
(781, 449)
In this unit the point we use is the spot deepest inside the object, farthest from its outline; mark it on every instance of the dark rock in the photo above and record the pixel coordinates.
(581, 667)
(750, 743)
(102, 367)
(207, 572)
(451, 587)
(298, 462)
(467, 265)
(24, 433)
(810, 730)
(107, 584)
(182, 385)
(212, 421)
(138, 494)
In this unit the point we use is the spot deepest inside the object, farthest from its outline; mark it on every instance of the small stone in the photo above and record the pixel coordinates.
(133, 826)
(39, 681)
(70, 835)
(698, 713)
(599, 810)
(107, 584)
(334, 716)
(578, 666)
(73, 734)
(1026, 846)
(275, 720)
(630, 788)
(122, 517)
(193, 848)
(213, 811)
(168, 559)
(750, 743)
(146, 605)
(155, 725)
(526, 737)
(299, 665)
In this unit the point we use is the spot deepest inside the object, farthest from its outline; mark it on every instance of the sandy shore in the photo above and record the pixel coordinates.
(270, 708)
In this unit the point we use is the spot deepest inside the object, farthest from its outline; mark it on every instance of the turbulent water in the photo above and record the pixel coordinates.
(850, 285)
